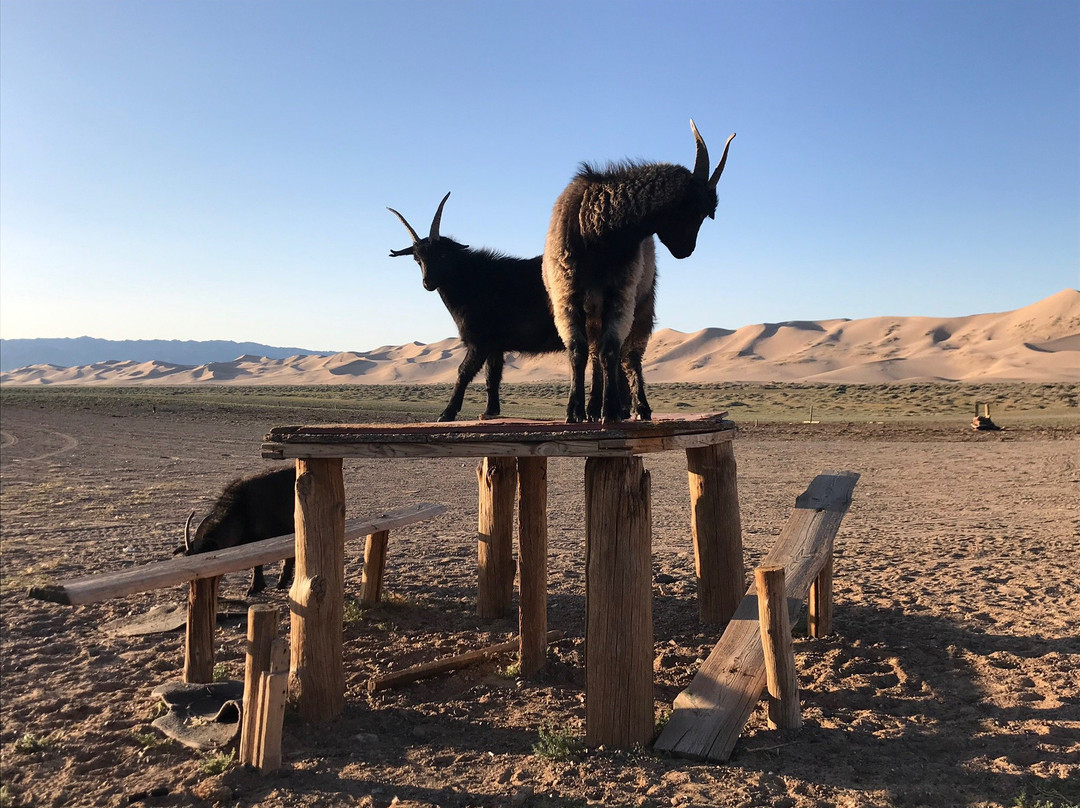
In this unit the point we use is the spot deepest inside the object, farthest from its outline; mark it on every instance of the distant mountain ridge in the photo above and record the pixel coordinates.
(76, 351)
(1036, 343)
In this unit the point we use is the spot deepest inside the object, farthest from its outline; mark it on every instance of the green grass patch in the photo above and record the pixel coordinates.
(1032, 403)
(558, 743)
(217, 762)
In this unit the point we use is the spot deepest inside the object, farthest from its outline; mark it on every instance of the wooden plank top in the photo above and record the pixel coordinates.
(498, 437)
(710, 714)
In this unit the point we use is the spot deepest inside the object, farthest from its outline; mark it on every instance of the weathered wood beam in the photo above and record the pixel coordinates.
(182, 569)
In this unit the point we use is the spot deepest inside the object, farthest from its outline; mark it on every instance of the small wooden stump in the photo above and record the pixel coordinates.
(201, 624)
(497, 478)
(374, 562)
(261, 633)
(273, 693)
(618, 604)
(717, 531)
(317, 681)
(781, 682)
(532, 560)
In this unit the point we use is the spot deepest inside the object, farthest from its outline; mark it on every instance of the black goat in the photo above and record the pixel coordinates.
(599, 265)
(249, 509)
(498, 303)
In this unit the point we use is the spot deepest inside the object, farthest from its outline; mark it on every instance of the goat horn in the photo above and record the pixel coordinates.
(434, 236)
(701, 163)
(715, 178)
(187, 533)
(415, 238)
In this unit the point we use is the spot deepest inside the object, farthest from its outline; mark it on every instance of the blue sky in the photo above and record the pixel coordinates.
(221, 169)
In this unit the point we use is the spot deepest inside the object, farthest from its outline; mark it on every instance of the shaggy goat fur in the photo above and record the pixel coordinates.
(249, 509)
(599, 266)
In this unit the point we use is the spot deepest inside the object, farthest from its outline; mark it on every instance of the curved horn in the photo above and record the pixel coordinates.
(187, 533)
(715, 178)
(415, 238)
(434, 235)
(701, 162)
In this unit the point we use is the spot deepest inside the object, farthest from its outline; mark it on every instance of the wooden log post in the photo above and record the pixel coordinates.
(273, 693)
(619, 710)
(374, 562)
(717, 531)
(532, 562)
(781, 682)
(497, 478)
(820, 602)
(261, 632)
(201, 624)
(317, 597)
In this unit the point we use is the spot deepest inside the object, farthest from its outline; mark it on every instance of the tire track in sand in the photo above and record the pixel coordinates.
(10, 439)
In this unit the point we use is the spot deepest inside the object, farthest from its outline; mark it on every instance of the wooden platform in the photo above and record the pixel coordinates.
(710, 714)
(498, 438)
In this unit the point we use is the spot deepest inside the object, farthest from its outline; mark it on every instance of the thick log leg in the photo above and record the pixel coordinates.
(497, 478)
(201, 624)
(317, 677)
(532, 560)
(783, 687)
(717, 531)
(618, 603)
(261, 632)
(374, 561)
(820, 617)
(273, 691)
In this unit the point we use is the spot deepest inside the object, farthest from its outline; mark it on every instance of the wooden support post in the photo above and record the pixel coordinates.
(821, 606)
(618, 603)
(497, 478)
(781, 682)
(261, 632)
(317, 597)
(273, 692)
(201, 624)
(717, 531)
(532, 560)
(374, 561)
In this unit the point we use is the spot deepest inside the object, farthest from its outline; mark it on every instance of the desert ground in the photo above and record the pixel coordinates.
(953, 678)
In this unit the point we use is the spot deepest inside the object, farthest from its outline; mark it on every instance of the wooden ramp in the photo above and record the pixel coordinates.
(710, 714)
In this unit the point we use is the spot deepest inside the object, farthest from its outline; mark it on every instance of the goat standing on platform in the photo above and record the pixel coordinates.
(599, 265)
(498, 304)
(249, 509)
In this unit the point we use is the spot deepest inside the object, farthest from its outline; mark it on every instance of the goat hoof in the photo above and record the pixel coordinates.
(445, 417)
(487, 416)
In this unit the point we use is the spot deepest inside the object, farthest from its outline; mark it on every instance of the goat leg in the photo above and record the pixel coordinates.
(596, 389)
(636, 387)
(610, 355)
(494, 379)
(467, 371)
(579, 357)
(258, 582)
(285, 580)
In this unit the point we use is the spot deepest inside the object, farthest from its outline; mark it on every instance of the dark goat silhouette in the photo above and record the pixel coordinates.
(599, 266)
(498, 303)
(249, 509)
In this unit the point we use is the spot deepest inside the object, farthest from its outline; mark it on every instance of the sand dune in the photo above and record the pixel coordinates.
(1037, 343)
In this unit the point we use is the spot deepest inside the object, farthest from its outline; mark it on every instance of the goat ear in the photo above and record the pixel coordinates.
(399, 253)
(715, 178)
(701, 162)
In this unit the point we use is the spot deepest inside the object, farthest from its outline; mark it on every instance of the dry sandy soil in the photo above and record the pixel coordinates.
(953, 678)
